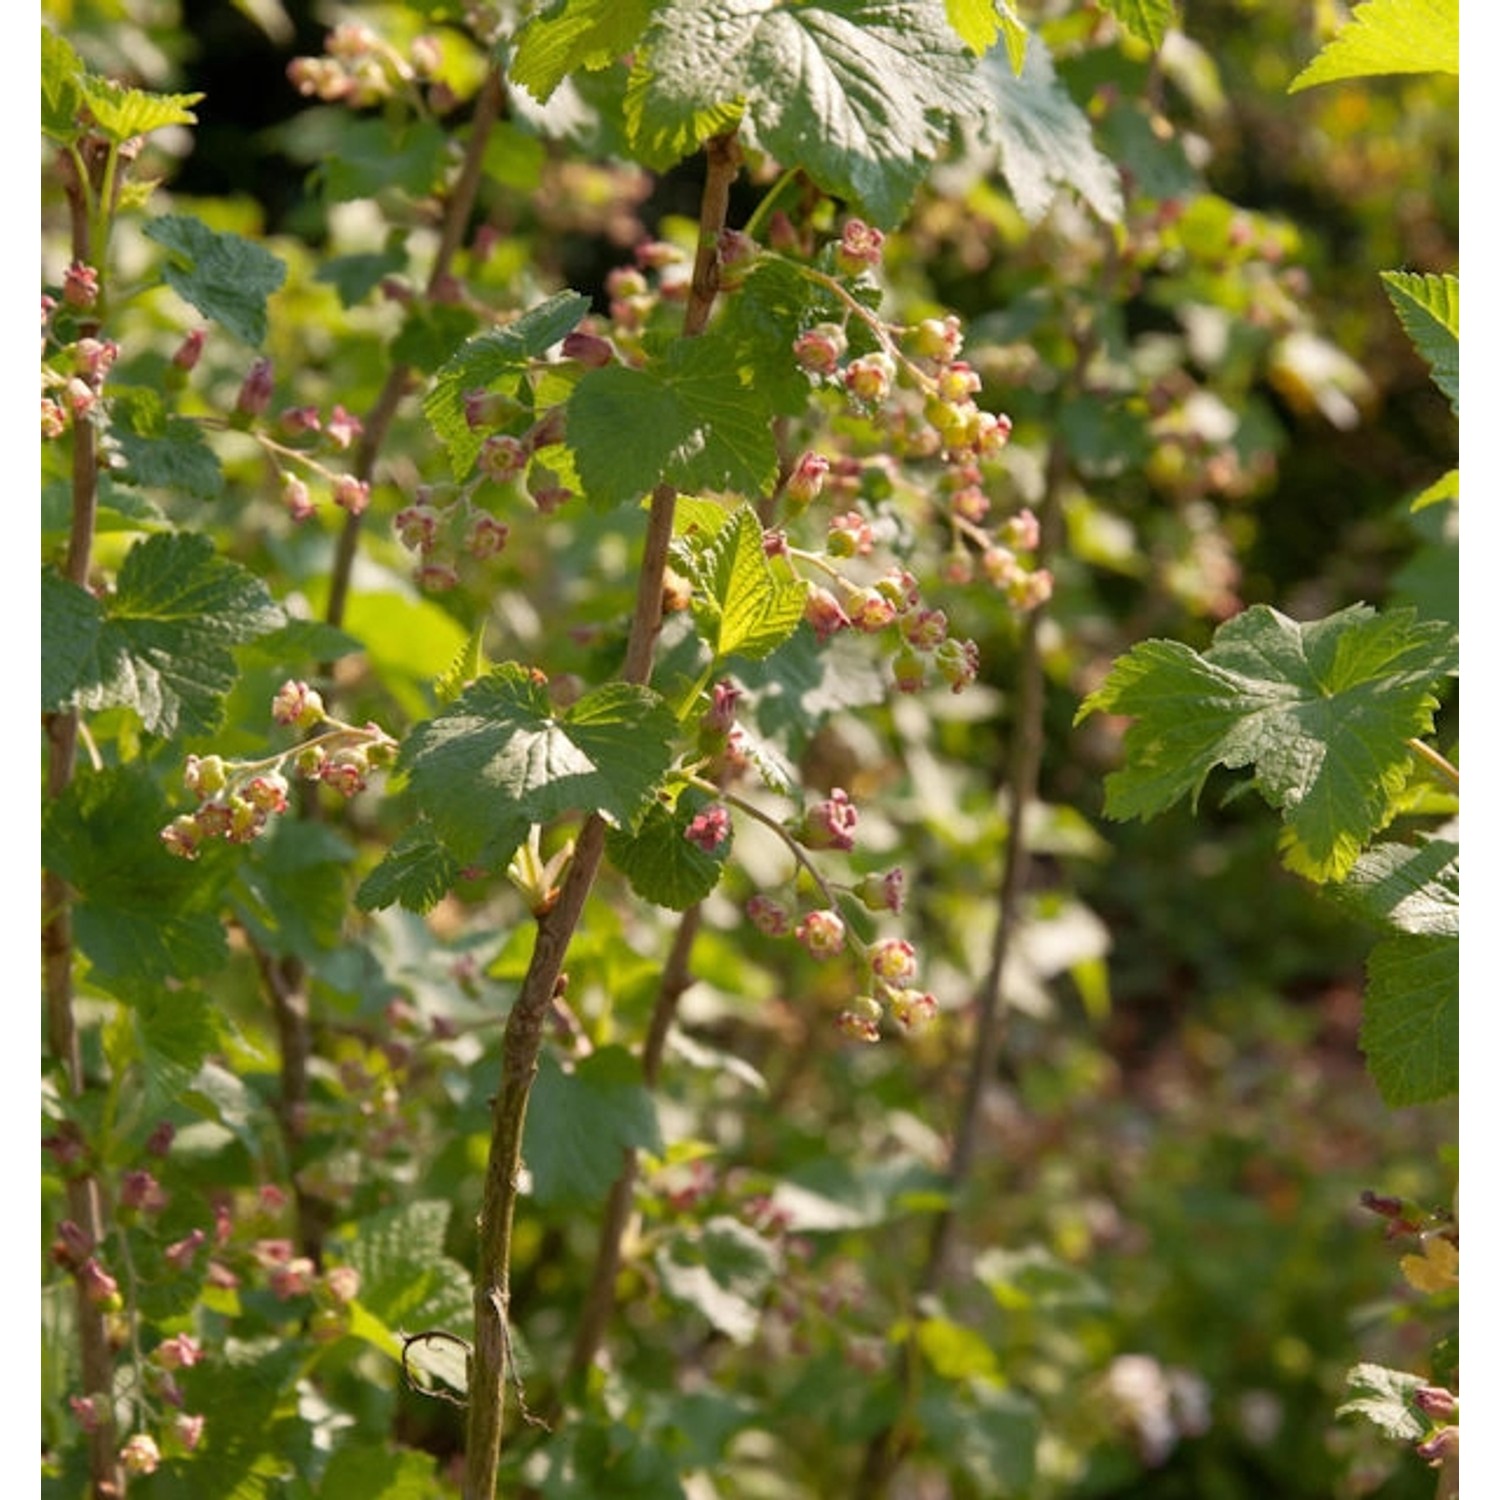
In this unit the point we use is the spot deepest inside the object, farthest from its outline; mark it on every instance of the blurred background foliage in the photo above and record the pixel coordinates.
(1169, 1269)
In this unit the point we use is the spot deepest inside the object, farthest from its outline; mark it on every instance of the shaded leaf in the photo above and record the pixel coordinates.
(660, 863)
(1410, 1030)
(1149, 20)
(724, 1271)
(579, 1124)
(62, 92)
(354, 277)
(1320, 711)
(162, 646)
(693, 422)
(405, 1278)
(1043, 141)
(140, 914)
(502, 758)
(1388, 36)
(71, 619)
(226, 277)
(1405, 887)
(416, 872)
(1428, 309)
(162, 451)
(494, 361)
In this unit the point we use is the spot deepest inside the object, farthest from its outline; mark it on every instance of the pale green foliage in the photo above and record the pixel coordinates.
(1428, 309)
(1388, 36)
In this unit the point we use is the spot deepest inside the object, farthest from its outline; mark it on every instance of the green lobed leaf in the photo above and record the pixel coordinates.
(573, 34)
(747, 604)
(658, 860)
(141, 915)
(71, 620)
(291, 889)
(370, 157)
(377, 1473)
(502, 758)
(162, 648)
(1409, 1034)
(724, 1271)
(1388, 36)
(980, 22)
(1409, 888)
(1321, 712)
(417, 871)
(1043, 140)
(579, 1123)
(1150, 20)
(161, 451)
(225, 276)
(1428, 309)
(354, 277)
(860, 94)
(992, 1435)
(62, 87)
(405, 1278)
(490, 361)
(238, 1393)
(176, 1031)
(121, 113)
(1384, 1396)
(693, 421)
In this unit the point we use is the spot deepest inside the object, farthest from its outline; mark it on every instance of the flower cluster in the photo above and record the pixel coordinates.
(237, 799)
(359, 68)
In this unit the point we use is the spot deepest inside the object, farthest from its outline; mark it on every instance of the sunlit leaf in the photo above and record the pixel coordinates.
(1388, 36)
(1428, 309)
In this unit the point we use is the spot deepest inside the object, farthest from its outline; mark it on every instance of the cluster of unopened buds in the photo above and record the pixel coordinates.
(888, 964)
(359, 68)
(238, 798)
(74, 382)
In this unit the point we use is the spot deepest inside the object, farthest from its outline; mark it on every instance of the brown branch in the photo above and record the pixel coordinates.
(555, 929)
(599, 1302)
(377, 424)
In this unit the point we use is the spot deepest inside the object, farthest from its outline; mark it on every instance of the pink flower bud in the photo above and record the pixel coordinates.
(768, 916)
(73, 1245)
(298, 705)
(907, 670)
(860, 247)
(1030, 589)
(159, 1142)
(181, 1253)
(830, 824)
(1437, 1402)
(180, 1352)
(883, 892)
(486, 537)
(188, 1429)
(293, 1279)
(893, 960)
(435, 577)
(869, 378)
(345, 771)
(850, 535)
(958, 382)
(708, 829)
(971, 504)
(938, 339)
(820, 349)
(502, 457)
(351, 494)
(822, 933)
(343, 428)
(417, 527)
(140, 1455)
(190, 350)
(255, 391)
(926, 629)
(993, 434)
(296, 497)
(589, 349)
(912, 1008)
(805, 483)
(54, 419)
(267, 793)
(342, 1283)
(870, 611)
(958, 662)
(90, 1411)
(426, 54)
(295, 420)
(719, 719)
(140, 1191)
(861, 1020)
(99, 1286)
(80, 285)
(824, 613)
(1022, 531)
(94, 358)
(182, 837)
